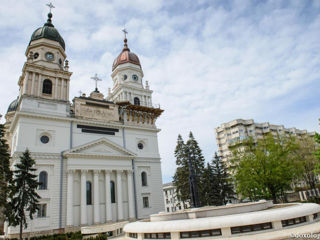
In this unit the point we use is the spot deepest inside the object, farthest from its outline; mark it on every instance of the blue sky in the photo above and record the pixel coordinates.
(208, 62)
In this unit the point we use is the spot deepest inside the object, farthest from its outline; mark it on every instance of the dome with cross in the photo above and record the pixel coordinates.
(126, 57)
(48, 31)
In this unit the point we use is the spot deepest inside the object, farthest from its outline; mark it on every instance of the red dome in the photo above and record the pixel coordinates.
(126, 57)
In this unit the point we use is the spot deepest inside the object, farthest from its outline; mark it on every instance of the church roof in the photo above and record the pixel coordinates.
(13, 105)
(48, 31)
(126, 57)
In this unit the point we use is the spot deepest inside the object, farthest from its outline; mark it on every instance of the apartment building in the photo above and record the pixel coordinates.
(171, 202)
(237, 130)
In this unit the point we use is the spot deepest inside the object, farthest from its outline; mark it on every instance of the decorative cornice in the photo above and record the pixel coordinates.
(76, 120)
(43, 43)
(97, 142)
(97, 156)
(48, 71)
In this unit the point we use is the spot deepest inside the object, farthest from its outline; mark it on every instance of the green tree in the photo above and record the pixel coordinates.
(317, 153)
(208, 183)
(265, 168)
(25, 197)
(181, 177)
(309, 161)
(5, 175)
(222, 183)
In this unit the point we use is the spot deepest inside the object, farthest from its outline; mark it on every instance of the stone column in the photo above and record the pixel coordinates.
(83, 201)
(25, 83)
(119, 195)
(96, 204)
(130, 194)
(32, 84)
(56, 89)
(62, 87)
(39, 85)
(108, 197)
(70, 199)
(67, 89)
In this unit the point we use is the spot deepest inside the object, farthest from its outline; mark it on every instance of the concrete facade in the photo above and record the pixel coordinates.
(94, 151)
(238, 130)
(171, 202)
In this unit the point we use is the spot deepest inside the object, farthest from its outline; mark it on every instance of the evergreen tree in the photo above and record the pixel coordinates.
(5, 174)
(25, 198)
(181, 178)
(208, 183)
(222, 185)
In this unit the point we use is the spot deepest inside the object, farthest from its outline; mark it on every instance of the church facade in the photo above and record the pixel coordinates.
(97, 157)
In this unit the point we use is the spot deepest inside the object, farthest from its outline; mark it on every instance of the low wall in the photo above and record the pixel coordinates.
(212, 211)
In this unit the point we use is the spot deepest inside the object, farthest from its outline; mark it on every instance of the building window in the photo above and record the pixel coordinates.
(203, 233)
(144, 179)
(42, 210)
(145, 201)
(43, 180)
(89, 193)
(251, 228)
(47, 86)
(157, 236)
(133, 235)
(113, 192)
(293, 221)
(136, 101)
(44, 139)
(140, 146)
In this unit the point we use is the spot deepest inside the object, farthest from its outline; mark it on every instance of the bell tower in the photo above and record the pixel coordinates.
(45, 73)
(127, 76)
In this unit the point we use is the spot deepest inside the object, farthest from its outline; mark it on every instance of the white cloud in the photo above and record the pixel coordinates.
(207, 63)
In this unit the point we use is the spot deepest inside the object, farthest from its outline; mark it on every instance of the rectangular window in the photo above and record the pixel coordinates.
(251, 228)
(42, 210)
(198, 234)
(133, 235)
(157, 236)
(145, 201)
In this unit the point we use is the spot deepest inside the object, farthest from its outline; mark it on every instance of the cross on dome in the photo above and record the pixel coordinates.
(96, 79)
(124, 30)
(50, 5)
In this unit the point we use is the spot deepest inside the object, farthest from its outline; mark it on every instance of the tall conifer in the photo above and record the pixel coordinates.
(222, 186)
(25, 198)
(5, 174)
(181, 177)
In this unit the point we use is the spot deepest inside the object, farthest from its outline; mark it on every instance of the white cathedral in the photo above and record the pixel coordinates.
(97, 157)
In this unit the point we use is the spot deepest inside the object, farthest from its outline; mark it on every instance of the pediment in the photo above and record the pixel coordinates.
(100, 147)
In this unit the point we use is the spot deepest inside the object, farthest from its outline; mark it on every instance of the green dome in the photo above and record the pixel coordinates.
(48, 31)
(13, 106)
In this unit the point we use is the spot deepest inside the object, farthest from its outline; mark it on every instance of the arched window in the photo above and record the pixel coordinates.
(112, 192)
(47, 87)
(89, 193)
(43, 180)
(136, 101)
(144, 179)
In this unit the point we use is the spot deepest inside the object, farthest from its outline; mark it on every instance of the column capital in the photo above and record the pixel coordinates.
(107, 172)
(129, 171)
(71, 171)
(84, 171)
(96, 172)
(119, 171)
